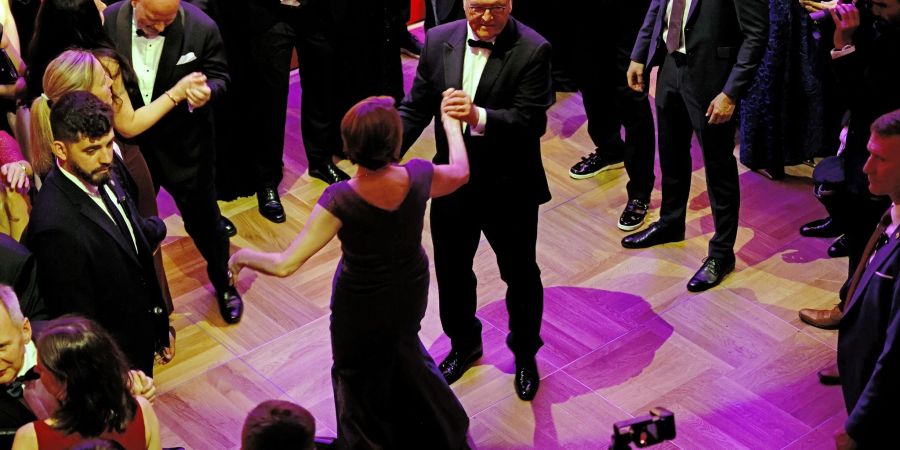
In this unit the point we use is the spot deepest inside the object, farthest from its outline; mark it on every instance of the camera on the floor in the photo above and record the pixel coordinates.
(644, 431)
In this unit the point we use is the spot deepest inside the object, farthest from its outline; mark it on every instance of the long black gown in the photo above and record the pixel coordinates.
(388, 392)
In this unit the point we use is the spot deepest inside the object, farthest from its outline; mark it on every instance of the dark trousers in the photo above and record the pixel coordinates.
(510, 226)
(608, 101)
(196, 201)
(303, 29)
(681, 112)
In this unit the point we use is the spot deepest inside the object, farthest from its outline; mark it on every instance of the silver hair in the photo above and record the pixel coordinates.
(11, 303)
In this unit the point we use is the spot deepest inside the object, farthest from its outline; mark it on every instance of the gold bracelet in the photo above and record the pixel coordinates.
(24, 168)
(171, 98)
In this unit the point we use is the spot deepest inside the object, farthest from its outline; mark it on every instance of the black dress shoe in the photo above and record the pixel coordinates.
(710, 274)
(229, 227)
(655, 234)
(230, 305)
(270, 205)
(838, 248)
(328, 173)
(820, 228)
(456, 363)
(527, 382)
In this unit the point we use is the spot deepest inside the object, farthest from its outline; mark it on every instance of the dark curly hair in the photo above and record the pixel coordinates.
(83, 357)
(78, 115)
(372, 133)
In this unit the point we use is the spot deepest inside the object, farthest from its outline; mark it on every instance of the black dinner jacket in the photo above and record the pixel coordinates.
(86, 266)
(17, 269)
(182, 141)
(515, 89)
(869, 349)
(724, 41)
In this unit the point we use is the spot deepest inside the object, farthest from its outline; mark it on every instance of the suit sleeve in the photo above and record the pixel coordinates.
(527, 113)
(642, 43)
(872, 416)
(215, 65)
(63, 274)
(417, 108)
(753, 18)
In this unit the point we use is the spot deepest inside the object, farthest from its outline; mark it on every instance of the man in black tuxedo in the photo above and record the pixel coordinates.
(493, 73)
(708, 51)
(94, 251)
(165, 40)
(438, 12)
(869, 337)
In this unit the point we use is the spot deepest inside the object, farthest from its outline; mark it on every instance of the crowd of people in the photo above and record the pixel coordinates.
(116, 102)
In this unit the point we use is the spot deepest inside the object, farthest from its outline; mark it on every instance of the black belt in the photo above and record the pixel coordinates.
(680, 58)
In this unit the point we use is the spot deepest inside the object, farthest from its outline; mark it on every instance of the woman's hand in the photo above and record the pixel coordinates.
(813, 6)
(191, 81)
(451, 125)
(235, 265)
(142, 385)
(15, 175)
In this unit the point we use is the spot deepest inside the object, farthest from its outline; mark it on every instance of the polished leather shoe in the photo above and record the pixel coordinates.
(710, 274)
(655, 234)
(829, 376)
(229, 227)
(328, 173)
(820, 228)
(838, 248)
(270, 205)
(826, 319)
(456, 363)
(527, 382)
(231, 306)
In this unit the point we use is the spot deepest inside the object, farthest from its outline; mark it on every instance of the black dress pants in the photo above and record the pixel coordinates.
(306, 30)
(681, 112)
(510, 226)
(603, 54)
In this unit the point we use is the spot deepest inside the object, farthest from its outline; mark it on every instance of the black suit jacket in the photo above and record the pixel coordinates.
(180, 146)
(515, 89)
(869, 349)
(13, 414)
(17, 269)
(724, 41)
(88, 267)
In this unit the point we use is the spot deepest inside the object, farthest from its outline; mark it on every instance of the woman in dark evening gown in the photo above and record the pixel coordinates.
(388, 392)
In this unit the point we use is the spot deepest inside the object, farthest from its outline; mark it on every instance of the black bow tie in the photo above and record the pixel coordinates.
(16, 387)
(141, 33)
(475, 43)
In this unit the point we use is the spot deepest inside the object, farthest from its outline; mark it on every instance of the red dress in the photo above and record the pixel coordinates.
(132, 439)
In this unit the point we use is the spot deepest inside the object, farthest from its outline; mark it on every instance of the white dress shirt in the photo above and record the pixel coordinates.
(145, 54)
(473, 67)
(94, 193)
(665, 30)
(891, 230)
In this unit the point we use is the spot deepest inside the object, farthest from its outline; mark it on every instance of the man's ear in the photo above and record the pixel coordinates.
(59, 150)
(26, 330)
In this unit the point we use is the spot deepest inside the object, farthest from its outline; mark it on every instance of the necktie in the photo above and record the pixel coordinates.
(16, 388)
(676, 19)
(878, 239)
(114, 212)
(475, 43)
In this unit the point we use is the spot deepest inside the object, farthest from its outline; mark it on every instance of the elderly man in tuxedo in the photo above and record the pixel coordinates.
(493, 73)
(708, 52)
(165, 40)
(869, 336)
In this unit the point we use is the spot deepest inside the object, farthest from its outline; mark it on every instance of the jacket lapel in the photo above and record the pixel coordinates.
(170, 54)
(454, 53)
(499, 55)
(123, 31)
(690, 14)
(89, 209)
(881, 256)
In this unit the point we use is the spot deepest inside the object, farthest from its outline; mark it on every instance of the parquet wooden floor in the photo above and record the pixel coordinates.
(622, 334)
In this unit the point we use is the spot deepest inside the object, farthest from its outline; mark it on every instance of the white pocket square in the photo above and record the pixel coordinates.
(885, 276)
(186, 58)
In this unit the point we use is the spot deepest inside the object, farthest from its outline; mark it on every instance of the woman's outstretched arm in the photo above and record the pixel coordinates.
(321, 227)
(449, 177)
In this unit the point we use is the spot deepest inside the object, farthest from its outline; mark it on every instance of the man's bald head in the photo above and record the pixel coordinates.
(153, 16)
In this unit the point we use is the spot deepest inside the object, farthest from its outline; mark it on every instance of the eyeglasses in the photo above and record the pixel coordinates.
(480, 10)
